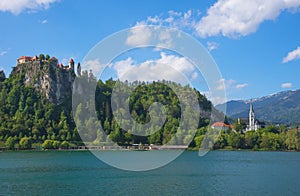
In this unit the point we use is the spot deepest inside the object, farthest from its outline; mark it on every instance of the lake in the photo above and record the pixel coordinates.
(217, 173)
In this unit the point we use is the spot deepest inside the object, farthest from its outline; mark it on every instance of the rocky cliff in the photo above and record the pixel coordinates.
(48, 78)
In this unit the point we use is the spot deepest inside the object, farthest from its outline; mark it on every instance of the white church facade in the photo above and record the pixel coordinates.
(253, 124)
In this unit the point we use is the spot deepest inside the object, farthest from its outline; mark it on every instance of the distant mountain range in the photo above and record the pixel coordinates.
(282, 107)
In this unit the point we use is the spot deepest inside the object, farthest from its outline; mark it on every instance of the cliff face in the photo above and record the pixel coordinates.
(49, 79)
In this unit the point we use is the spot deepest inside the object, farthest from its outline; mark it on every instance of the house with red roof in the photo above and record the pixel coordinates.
(221, 126)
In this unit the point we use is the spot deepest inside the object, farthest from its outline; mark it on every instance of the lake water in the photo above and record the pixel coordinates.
(217, 173)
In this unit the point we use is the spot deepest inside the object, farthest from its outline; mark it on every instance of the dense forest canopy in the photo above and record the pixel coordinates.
(142, 97)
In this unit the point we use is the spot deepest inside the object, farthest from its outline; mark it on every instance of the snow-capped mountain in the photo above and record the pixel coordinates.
(281, 107)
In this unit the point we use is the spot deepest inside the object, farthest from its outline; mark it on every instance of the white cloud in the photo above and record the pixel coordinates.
(44, 21)
(216, 99)
(140, 34)
(18, 6)
(123, 66)
(286, 85)
(293, 55)
(230, 18)
(165, 39)
(230, 86)
(240, 86)
(175, 19)
(212, 46)
(181, 64)
(168, 67)
(235, 18)
(95, 65)
(221, 84)
(224, 84)
(3, 52)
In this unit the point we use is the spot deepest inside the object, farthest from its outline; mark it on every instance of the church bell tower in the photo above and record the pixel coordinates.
(251, 118)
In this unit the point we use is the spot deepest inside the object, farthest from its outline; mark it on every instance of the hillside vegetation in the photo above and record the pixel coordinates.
(28, 119)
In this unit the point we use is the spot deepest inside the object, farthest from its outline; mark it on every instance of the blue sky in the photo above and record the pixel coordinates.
(254, 43)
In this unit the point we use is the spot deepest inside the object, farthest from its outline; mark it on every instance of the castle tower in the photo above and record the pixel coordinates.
(251, 118)
(71, 64)
(78, 69)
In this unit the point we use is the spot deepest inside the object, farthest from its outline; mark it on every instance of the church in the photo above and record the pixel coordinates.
(253, 123)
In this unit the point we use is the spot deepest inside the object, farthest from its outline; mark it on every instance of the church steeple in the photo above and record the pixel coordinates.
(251, 117)
(251, 106)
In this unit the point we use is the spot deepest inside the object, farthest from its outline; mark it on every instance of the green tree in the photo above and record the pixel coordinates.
(42, 57)
(65, 145)
(236, 140)
(198, 140)
(251, 139)
(107, 126)
(222, 141)
(239, 127)
(292, 140)
(270, 141)
(47, 144)
(272, 129)
(25, 143)
(10, 143)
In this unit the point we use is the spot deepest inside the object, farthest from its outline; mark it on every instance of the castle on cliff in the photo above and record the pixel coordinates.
(54, 61)
(47, 76)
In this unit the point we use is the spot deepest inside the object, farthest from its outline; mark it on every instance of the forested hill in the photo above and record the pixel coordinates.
(34, 107)
(36, 103)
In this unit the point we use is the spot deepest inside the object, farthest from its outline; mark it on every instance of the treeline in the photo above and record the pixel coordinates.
(269, 138)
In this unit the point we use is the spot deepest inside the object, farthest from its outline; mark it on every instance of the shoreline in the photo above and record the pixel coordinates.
(124, 149)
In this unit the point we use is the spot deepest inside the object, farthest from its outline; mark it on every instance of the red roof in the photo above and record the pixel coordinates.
(24, 57)
(221, 124)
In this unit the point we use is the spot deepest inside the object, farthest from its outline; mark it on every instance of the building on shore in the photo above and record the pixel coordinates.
(253, 124)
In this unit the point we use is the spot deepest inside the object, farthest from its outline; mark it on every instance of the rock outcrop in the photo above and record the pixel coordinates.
(48, 78)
